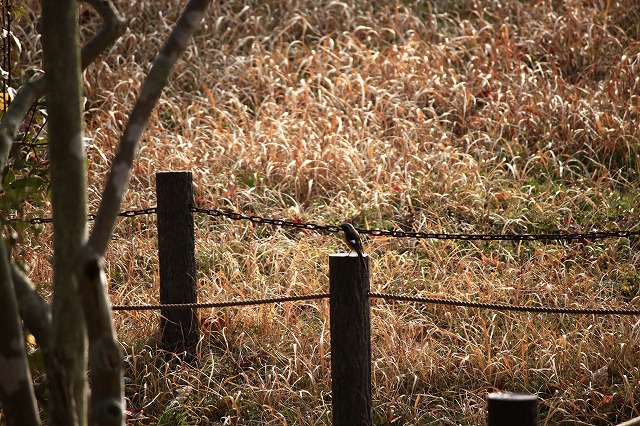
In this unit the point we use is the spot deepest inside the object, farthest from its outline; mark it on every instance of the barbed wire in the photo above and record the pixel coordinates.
(257, 219)
(386, 296)
(90, 217)
(582, 236)
(268, 221)
(374, 232)
(249, 302)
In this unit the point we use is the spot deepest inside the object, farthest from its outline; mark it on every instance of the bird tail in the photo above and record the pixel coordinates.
(362, 262)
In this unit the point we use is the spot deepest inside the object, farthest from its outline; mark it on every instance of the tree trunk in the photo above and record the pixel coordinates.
(68, 199)
(80, 296)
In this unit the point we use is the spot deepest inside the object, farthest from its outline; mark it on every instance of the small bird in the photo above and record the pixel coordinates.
(352, 238)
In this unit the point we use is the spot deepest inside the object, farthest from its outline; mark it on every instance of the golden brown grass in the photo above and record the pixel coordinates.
(449, 117)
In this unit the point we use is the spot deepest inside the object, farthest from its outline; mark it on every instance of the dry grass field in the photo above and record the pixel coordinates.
(482, 116)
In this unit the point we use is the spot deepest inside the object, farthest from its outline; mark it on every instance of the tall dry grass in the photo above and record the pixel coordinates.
(484, 116)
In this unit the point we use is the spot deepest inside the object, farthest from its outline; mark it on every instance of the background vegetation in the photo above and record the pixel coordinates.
(484, 116)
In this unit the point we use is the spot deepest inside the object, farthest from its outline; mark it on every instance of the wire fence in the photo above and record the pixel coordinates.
(90, 217)
(386, 296)
(507, 307)
(261, 220)
(580, 236)
(590, 236)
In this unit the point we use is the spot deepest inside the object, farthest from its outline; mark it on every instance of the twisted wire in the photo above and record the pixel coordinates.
(507, 307)
(177, 306)
(386, 296)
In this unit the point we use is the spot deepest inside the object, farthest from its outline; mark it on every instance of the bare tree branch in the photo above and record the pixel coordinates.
(66, 397)
(36, 315)
(149, 95)
(34, 310)
(15, 114)
(112, 28)
(80, 284)
(105, 354)
(107, 398)
(16, 388)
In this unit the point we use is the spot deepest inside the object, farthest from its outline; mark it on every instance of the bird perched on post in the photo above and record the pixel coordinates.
(352, 238)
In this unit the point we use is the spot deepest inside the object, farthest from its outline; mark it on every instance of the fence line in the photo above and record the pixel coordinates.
(90, 217)
(376, 232)
(349, 294)
(507, 307)
(582, 236)
(386, 296)
(350, 310)
(256, 219)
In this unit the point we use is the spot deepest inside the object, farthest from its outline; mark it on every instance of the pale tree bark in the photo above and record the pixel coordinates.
(81, 301)
(68, 200)
(34, 310)
(16, 388)
(105, 354)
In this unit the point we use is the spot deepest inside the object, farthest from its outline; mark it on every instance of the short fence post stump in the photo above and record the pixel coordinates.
(506, 409)
(176, 254)
(350, 341)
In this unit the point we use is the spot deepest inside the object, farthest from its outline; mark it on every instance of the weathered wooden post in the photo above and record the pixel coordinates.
(176, 253)
(507, 409)
(350, 341)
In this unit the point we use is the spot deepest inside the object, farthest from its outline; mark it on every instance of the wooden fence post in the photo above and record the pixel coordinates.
(176, 253)
(506, 409)
(350, 341)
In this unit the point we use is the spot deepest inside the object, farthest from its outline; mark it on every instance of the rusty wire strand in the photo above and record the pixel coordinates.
(506, 307)
(90, 217)
(582, 236)
(386, 296)
(268, 221)
(376, 232)
(176, 306)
